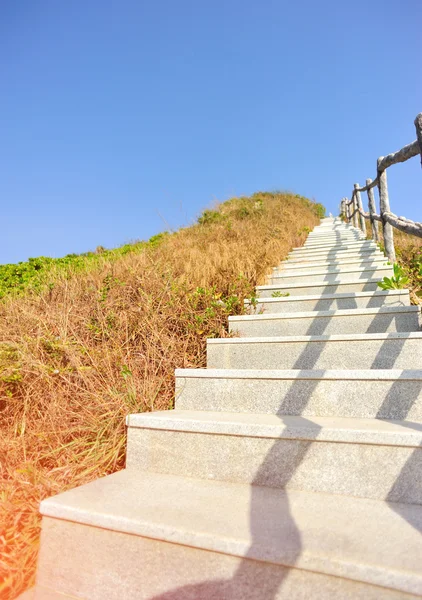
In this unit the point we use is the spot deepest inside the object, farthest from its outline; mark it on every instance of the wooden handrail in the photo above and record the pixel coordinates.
(352, 210)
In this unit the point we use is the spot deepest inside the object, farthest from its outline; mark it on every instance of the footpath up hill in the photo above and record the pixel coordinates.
(88, 339)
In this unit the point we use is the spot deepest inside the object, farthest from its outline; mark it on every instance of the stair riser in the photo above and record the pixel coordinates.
(340, 238)
(335, 231)
(364, 470)
(330, 256)
(327, 258)
(330, 267)
(338, 244)
(352, 247)
(362, 323)
(331, 304)
(333, 240)
(317, 289)
(360, 247)
(173, 571)
(317, 277)
(384, 399)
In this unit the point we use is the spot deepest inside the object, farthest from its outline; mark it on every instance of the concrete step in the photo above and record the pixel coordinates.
(369, 458)
(333, 302)
(315, 289)
(330, 322)
(312, 257)
(303, 252)
(348, 351)
(334, 230)
(360, 393)
(330, 257)
(335, 247)
(334, 238)
(347, 239)
(209, 540)
(358, 245)
(356, 263)
(346, 274)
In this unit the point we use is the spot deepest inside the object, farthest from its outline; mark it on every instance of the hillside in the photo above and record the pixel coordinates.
(87, 339)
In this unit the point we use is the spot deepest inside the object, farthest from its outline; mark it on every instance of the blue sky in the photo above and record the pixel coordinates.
(121, 119)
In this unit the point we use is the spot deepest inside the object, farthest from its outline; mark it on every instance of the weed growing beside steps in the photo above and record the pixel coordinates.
(409, 260)
(85, 347)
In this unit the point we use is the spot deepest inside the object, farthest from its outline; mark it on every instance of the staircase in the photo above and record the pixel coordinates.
(291, 467)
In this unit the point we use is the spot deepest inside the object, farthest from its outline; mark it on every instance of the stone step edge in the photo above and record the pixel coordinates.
(315, 314)
(294, 286)
(337, 272)
(346, 337)
(311, 258)
(330, 255)
(184, 523)
(344, 430)
(346, 243)
(344, 295)
(326, 264)
(333, 239)
(336, 247)
(299, 374)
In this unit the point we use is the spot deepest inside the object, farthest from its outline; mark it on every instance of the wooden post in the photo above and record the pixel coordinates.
(372, 211)
(387, 230)
(418, 125)
(355, 211)
(343, 209)
(346, 201)
(360, 207)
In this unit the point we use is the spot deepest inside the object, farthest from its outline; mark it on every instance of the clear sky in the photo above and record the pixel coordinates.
(119, 119)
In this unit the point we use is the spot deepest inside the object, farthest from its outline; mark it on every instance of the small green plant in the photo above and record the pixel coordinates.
(280, 294)
(397, 282)
(209, 217)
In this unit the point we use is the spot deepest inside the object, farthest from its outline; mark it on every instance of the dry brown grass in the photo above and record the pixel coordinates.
(76, 360)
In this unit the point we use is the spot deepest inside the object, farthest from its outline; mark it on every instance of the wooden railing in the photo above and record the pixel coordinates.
(352, 210)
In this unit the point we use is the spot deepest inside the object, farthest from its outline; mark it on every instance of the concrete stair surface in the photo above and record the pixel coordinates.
(329, 275)
(391, 394)
(173, 534)
(330, 302)
(365, 320)
(324, 454)
(291, 467)
(330, 266)
(370, 351)
(339, 286)
(332, 256)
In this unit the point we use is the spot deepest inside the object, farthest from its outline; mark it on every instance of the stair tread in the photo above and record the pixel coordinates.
(361, 539)
(375, 261)
(338, 272)
(335, 296)
(327, 429)
(393, 335)
(373, 374)
(328, 313)
(312, 284)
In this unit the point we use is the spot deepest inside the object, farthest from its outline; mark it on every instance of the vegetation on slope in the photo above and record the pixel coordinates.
(87, 340)
(409, 257)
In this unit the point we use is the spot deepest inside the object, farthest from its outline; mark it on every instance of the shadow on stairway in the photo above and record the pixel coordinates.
(252, 579)
(255, 580)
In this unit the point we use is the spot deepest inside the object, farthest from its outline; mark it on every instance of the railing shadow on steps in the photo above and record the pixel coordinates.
(264, 578)
(352, 211)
